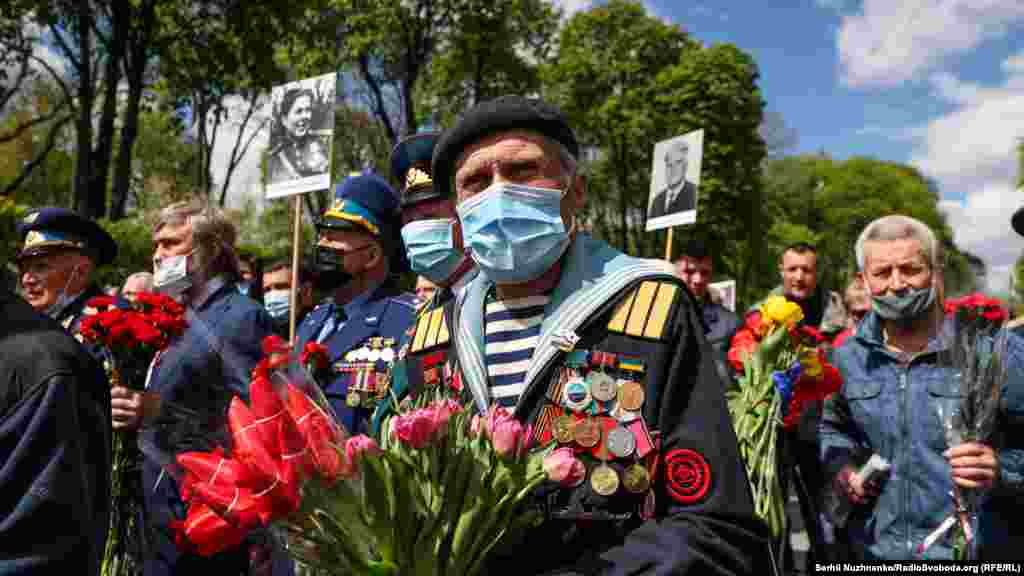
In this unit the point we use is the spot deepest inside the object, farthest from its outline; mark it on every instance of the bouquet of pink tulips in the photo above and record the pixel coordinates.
(432, 496)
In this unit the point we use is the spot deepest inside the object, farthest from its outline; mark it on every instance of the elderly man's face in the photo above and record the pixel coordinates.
(799, 274)
(296, 122)
(675, 165)
(516, 157)
(133, 286)
(894, 265)
(46, 276)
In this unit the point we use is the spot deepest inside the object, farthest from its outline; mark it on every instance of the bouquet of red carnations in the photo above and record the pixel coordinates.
(780, 369)
(133, 336)
(433, 495)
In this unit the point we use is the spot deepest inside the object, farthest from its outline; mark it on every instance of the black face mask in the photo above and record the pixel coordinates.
(330, 268)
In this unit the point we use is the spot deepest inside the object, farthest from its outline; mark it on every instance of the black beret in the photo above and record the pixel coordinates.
(503, 113)
(47, 229)
(1017, 221)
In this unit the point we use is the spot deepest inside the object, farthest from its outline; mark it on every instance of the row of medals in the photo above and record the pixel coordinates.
(623, 398)
(363, 363)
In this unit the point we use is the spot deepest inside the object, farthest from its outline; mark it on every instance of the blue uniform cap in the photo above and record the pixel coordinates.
(410, 165)
(50, 229)
(364, 202)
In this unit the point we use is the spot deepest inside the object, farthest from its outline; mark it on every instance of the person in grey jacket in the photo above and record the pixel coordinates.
(896, 388)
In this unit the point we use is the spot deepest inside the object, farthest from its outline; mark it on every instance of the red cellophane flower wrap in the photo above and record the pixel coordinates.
(431, 494)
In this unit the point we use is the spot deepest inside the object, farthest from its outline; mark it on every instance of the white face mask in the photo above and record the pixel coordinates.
(171, 274)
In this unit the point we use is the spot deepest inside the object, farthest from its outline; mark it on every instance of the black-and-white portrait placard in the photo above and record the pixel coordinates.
(675, 178)
(301, 133)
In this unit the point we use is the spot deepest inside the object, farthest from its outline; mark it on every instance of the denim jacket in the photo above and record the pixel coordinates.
(891, 405)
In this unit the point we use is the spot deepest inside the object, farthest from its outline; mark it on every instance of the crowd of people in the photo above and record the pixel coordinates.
(515, 305)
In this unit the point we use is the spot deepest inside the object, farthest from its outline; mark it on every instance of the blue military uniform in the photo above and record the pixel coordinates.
(361, 336)
(50, 229)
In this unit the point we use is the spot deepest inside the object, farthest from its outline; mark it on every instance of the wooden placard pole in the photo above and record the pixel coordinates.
(668, 246)
(296, 238)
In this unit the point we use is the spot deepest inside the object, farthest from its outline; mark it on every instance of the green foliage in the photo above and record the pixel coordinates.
(828, 203)
(628, 80)
(134, 251)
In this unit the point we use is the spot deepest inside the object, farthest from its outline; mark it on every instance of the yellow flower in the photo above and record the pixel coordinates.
(778, 310)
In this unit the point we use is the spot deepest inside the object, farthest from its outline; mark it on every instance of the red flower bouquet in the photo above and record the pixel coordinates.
(133, 336)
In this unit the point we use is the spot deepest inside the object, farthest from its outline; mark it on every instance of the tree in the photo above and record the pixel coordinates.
(817, 199)
(627, 80)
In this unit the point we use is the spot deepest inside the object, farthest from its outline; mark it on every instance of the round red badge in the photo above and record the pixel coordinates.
(687, 476)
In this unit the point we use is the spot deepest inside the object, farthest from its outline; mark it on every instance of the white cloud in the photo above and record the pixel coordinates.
(570, 7)
(888, 42)
(971, 152)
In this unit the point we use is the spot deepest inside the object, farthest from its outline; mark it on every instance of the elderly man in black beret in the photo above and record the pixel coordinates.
(59, 255)
(601, 352)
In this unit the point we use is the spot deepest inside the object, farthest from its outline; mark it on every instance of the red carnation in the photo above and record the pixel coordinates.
(274, 344)
(316, 354)
(100, 302)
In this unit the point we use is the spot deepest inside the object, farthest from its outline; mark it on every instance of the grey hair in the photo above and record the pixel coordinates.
(212, 233)
(900, 227)
(145, 277)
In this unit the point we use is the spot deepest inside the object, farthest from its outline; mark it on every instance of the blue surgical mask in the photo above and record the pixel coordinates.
(172, 274)
(430, 246)
(514, 233)
(904, 305)
(277, 303)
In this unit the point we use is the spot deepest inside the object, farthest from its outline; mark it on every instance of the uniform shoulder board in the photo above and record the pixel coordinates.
(431, 330)
(644, 310)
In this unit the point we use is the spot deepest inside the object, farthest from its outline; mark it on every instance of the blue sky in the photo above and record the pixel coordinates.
(934, 83)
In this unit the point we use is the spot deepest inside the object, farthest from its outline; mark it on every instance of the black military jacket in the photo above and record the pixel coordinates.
(54, 447)
(623, 376)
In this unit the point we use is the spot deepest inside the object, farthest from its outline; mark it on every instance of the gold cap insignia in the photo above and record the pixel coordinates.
(31, 217)
(34, 237)
(417, 177)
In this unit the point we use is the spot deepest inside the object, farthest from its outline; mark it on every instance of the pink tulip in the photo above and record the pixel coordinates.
(414, 429)
(476, 425)
(507, 436)
(562, 466)
(358, 446)
(442, 412)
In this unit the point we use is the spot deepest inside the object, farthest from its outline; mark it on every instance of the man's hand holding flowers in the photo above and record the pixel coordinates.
(132, 409)
(975, 465)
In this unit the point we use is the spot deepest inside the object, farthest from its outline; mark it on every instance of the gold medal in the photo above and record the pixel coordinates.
(631, 395)
(587, 432)
(564, 429)
(604, 480)
(636, 479)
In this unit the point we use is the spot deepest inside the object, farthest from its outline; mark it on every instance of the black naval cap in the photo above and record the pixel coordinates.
(1017, 221)
(49, 229)
(503, 113)
(410, 166)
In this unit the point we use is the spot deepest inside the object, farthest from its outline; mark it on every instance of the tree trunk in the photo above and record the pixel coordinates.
(135, 69)
(83, 161)
(105, 139)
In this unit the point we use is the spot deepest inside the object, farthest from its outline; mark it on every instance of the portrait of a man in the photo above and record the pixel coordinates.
(300, 136)
(674, 180)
